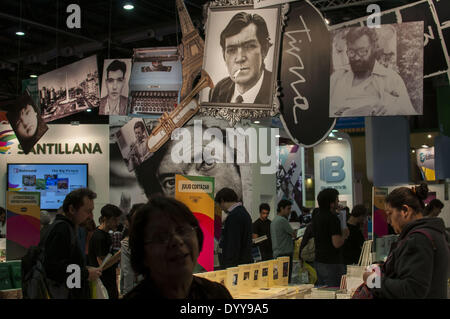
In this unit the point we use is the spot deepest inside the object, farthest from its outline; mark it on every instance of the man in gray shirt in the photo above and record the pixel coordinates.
(282, 233)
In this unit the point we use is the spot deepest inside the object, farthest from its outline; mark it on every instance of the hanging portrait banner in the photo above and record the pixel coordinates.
(305, 62)
(197, 193)
(267, 3)
(244, 66)
(435, 15)
(114, 92)
(26, 121)
(68, 90)
(377, 71)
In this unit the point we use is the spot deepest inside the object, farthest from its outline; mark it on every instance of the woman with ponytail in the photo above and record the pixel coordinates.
(418, 264)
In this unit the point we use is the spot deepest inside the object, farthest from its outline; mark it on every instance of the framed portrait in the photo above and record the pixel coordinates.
(114, 92)
(241, 57)
(132, 141)
(377, 71)
(26, 121)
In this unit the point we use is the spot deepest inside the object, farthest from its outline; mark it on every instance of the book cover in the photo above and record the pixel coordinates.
(244, 278)
(273, 273)
(255, 275)
(221, 277)
(263, 278)
(283, 266)
(232, 281)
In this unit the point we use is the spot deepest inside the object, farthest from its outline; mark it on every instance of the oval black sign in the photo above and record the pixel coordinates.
(305, 76)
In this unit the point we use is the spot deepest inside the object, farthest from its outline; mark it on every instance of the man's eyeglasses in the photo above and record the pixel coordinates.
(185, 232)
(362, 52)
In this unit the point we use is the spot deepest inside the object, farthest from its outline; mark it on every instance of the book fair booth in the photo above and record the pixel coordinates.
(278, 113)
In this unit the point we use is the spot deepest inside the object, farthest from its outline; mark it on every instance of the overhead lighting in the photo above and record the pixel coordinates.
(339, 138)
(429, 136)
(89, 110)
(20, 33)
(128, 6)
(425, 146)
(277, 136)
(334, 131)
(33, 76)
(256, 122)
(327, 21)
(413, 151)
(331, 135)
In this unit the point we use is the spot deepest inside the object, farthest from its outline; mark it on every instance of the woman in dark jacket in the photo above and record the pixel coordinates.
(417, 266)
(165, 242)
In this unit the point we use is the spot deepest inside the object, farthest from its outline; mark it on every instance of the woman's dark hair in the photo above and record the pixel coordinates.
(110, 210)
(133, 210)
(435, 203)
(412, 197)
(226, 195)
(175, 210)
(326, 197)
(358, 211)
(283, 203)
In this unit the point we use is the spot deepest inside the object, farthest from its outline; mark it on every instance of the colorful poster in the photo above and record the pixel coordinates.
(289, 176)
(197, 193)
(425, 162)
(22, 223)
(379, 218)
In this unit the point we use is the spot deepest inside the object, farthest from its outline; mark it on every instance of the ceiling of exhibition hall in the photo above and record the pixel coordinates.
(110, 31)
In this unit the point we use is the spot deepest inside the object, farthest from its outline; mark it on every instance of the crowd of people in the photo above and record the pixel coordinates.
(160, 241)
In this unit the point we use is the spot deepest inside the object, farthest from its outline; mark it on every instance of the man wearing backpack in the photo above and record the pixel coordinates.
(61, 247)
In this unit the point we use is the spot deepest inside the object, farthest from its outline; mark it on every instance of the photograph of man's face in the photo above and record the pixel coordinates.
(114, 84)
(139, 133)
(225, 174)
(377, 71)
(361, 55)
(114, 97)
(245, 40)
(244, 58)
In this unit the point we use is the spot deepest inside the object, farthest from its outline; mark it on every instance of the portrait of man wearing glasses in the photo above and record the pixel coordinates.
(366, 87)
(114, 103)
(245, 43)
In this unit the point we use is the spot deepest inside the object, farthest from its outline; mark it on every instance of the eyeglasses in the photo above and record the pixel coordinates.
(362, 52)
(163, 238)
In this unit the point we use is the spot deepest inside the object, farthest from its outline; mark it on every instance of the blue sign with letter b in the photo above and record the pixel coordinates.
(331, 169)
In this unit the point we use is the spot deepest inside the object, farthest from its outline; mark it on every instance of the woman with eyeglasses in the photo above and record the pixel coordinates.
(165, 242)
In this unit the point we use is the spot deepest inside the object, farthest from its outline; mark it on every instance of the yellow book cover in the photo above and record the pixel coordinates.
(221, 277)
(283, 266)
(244, 277)
(263, 278)
(232, 280)
(255, 275)
(273, 273)
(211, 275)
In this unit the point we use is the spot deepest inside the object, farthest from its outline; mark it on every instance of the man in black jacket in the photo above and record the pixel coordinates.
(62, 248)
(236, 237)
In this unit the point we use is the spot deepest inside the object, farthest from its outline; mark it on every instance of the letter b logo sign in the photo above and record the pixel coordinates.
(331, 169)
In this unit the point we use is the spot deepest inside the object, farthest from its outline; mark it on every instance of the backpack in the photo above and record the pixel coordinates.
(35, 284)
(308, 252)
